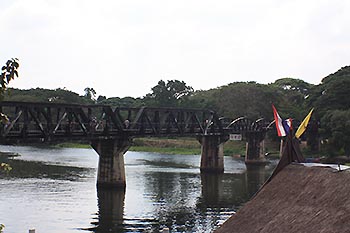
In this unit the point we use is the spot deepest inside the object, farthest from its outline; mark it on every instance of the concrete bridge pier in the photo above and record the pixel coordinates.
(111, 170)
(255, 148)
(212, 153)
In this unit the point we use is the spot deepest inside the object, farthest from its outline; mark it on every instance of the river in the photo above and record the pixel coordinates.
(53, 190)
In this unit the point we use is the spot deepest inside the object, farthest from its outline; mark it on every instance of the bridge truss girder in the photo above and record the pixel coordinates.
(54, 121)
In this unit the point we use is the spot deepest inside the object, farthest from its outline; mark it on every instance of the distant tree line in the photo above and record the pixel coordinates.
(293, 98)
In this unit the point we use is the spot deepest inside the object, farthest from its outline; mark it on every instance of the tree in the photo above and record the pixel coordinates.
(336, 131)
(58, 95)
(173, 93)
(101, 98)
(333, 92)
(292, 96)
(8, 73)
(90, 93)
(238, 99)
(296, 85)
(332, 104)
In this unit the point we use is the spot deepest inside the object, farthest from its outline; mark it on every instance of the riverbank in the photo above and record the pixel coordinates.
(185, 146)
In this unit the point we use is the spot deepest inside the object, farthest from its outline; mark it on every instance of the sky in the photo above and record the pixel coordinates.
(124, 47)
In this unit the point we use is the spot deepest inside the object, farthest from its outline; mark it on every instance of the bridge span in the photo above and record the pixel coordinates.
(110, 131)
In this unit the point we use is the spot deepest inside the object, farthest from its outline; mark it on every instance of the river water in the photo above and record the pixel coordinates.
(54, 191)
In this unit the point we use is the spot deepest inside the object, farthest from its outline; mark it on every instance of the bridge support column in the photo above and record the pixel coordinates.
(111, 170)
(212, 157)
(255, 148)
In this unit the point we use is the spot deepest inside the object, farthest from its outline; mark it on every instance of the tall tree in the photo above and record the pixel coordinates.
(332, 103)
(238, 99)
(58, 95)
(90, 93)
(293, 94)
(172, 93)
(333, 92)
(8, 73)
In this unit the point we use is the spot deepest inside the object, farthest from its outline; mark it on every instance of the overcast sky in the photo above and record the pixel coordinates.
(123, 48)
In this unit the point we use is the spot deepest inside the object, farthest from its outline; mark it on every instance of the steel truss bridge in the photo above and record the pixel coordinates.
(110, 131)
(59, 122)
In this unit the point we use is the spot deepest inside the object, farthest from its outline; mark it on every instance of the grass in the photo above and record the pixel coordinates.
(184, 146)
(166, 150)
(73, 145)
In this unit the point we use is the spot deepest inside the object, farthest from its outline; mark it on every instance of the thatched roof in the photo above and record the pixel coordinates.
(297, 199)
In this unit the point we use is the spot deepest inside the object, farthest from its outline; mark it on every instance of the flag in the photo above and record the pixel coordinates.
(287, 125)
(283, 127)
(303, 125)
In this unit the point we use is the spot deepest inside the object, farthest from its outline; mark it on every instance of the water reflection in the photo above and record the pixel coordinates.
(256, 175)
(174, 196)
(55, 190)
(183, 202)
(225, 190)
(110, 211)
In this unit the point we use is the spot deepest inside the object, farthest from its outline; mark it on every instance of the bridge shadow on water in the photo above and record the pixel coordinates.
(181, 206)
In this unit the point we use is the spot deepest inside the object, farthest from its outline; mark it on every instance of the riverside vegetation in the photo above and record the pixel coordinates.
(182, 146)
(328, 132)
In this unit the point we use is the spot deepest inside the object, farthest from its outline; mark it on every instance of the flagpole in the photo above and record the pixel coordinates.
(281, 147)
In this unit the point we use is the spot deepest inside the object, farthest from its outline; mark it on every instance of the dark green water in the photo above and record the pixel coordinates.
(53, 191)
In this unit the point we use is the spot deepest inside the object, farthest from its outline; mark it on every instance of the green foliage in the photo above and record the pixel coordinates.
(292, 95)
(8, 73)
(101, 98)
(90, 93)
(294, 86)
(45, 95)
(332, 104)
(336, 130)
(238, 99)
(202, 99)
(173, 93)
(122, 102)
(333, 92)
(235, 148)
(254, 100)
(185, 146)
(73, 145)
